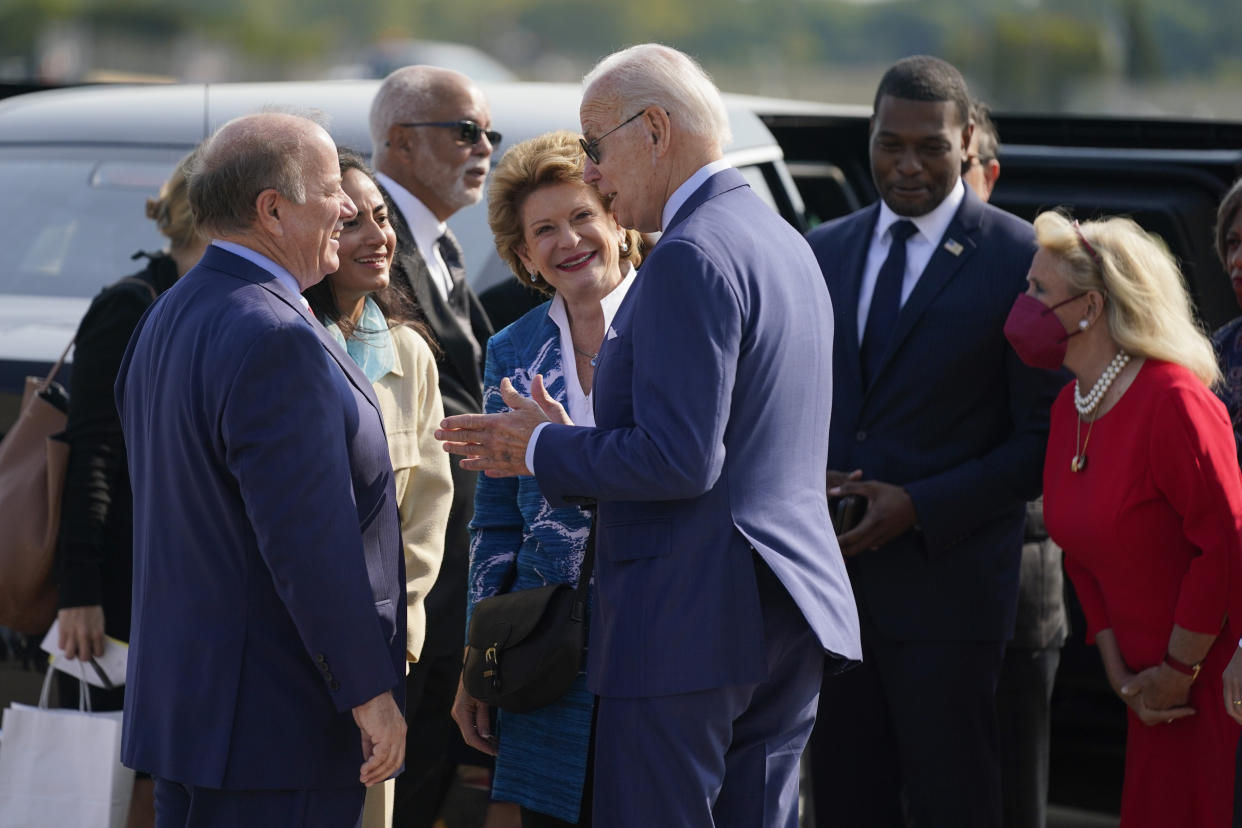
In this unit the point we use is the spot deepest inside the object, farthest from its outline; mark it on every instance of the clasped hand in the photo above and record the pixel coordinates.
(1157, 695)
(495, 444)
(890, 511)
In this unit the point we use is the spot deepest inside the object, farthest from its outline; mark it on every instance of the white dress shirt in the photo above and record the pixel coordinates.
(682, 194)
(426, 230)
(578, 401)
(920, 246)
(254, 257)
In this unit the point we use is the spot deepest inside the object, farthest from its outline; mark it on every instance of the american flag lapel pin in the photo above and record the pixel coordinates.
(954, 247)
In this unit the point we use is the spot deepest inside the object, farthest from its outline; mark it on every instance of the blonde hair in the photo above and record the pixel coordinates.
(551, 158)
(1148, 308)
(170, 210)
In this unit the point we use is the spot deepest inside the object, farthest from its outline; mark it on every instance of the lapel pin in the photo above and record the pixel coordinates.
(954, 247)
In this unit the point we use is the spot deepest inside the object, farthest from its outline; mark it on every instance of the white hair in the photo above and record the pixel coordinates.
(652, 74)
(405, 93)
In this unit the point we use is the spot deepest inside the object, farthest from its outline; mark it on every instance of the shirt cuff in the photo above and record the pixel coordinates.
(530, 446)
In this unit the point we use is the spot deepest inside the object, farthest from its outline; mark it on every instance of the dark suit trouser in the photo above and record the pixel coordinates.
(722, 757)
(913, 729)
(191, 806)
(1023, 697)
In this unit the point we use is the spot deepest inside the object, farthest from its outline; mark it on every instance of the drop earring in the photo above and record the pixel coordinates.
(533, 275)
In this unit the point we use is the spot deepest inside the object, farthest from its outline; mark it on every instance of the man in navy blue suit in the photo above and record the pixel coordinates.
(940, 429)
(266, 663)
(719, 584)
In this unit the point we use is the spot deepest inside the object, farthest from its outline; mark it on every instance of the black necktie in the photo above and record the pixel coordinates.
(450, 251)
(885, 301)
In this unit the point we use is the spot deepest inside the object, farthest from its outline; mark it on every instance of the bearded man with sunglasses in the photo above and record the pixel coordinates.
(432, 143)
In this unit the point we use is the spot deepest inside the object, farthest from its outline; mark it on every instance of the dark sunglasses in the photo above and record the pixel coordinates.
(591, 148)
(467, 131)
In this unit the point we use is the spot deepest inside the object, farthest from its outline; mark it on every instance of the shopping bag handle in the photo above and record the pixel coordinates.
(84, 693)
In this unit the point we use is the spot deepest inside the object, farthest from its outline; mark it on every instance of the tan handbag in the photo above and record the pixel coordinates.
(33, 457)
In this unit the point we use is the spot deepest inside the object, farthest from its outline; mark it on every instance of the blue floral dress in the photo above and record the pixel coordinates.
(518, 542)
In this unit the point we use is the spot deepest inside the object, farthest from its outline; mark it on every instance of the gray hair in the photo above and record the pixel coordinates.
(1225, 214)
(652, 74)
(407, 92)
(246, 156)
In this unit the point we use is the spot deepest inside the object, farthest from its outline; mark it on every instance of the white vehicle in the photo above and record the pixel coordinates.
(77, 165)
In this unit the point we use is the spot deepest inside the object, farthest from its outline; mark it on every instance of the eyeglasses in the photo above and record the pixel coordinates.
(591, 148)
(467, 131)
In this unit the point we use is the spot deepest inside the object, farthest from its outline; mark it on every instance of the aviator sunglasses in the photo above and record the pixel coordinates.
(467, 131)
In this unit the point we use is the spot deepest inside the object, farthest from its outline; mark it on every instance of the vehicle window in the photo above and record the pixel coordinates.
(755, 178)
(82, 221)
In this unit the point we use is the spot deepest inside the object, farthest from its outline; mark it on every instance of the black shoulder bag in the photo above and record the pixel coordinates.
(525, 647)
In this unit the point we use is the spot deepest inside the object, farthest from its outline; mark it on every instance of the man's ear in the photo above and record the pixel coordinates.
(267, 205)
(658, 127)
(399, 139)
(991, 172)
(967, 132)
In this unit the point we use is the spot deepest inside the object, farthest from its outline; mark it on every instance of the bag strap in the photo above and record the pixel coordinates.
(584, 573)
(51, 375)
(134, 280)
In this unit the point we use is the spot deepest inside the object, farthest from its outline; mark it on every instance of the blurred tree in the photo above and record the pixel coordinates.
(1142, 54)
(1030, 61)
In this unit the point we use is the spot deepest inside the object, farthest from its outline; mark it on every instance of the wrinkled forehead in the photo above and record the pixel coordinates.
(598, 109)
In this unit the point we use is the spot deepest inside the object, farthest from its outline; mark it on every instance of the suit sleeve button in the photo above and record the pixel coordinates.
(320, 657)
(335, 685)
(860, 436)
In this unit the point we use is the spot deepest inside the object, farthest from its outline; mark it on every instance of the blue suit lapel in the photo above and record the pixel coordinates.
(953, 250)
(721, 182)
(229, 263)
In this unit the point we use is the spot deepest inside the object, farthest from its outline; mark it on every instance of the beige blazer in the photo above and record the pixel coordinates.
(409, 399)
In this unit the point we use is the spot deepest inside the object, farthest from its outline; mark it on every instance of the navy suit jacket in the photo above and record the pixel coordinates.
(712, 398)
(953, 416)
(269, 583)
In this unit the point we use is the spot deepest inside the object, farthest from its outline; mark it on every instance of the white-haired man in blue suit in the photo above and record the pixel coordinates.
(720, 585)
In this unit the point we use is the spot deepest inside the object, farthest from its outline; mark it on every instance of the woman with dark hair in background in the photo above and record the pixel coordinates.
(377, 327)
(94, 562)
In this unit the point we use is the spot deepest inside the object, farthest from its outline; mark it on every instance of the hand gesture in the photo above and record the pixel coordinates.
(496, 443)
(1140, 691)
(890, 513)
(1232, 680)
(81, 632)
(383, 738)
(474, 721)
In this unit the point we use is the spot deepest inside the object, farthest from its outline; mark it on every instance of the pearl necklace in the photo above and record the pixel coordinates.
(1087, 404)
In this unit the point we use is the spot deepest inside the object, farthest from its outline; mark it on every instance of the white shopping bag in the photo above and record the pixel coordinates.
(61, 768)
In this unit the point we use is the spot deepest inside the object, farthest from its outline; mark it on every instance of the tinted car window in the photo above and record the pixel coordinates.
(81, 220)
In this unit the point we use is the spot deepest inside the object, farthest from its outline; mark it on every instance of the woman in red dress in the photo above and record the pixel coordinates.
(1143, 492)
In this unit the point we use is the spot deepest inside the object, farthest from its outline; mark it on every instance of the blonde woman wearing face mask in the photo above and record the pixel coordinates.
(1142, 491)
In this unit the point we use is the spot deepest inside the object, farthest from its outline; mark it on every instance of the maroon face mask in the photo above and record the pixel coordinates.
(1036, 333)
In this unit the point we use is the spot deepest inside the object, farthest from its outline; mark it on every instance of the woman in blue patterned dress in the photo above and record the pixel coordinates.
(561, 239)
(1228, 339)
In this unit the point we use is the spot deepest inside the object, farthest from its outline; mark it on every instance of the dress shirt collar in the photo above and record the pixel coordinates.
(423, 224)
(283, 276)
(577, 397)
(682, 194)
(931, 225)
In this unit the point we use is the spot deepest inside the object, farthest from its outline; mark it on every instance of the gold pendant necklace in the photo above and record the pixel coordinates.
(1079, 461)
